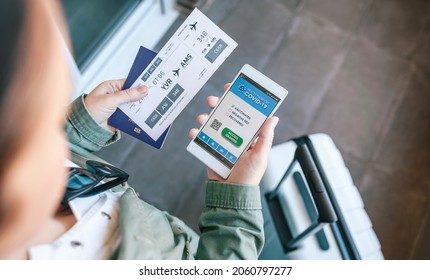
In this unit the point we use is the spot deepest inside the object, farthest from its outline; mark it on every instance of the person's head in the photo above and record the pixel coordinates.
(34, 89)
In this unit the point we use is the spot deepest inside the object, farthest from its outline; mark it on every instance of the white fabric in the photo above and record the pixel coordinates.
(95, 234)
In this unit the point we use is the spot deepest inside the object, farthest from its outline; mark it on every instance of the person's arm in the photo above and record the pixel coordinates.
(83, 131)
(86, 122)
(232, 224)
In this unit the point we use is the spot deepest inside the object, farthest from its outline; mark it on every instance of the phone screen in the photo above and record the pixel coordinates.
(236, 120)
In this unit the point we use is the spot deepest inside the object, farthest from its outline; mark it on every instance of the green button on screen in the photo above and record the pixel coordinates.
(232, 137)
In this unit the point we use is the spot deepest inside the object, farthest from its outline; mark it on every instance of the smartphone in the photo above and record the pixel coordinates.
(234, 123)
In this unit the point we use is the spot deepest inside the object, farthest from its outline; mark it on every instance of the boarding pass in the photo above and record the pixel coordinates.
(178, 72)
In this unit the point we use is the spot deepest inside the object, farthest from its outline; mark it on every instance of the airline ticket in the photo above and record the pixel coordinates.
(178, 72)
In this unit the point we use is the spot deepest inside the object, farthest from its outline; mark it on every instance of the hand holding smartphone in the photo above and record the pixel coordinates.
(236, 121)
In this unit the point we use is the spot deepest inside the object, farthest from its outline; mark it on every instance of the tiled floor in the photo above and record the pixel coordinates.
(358, 70)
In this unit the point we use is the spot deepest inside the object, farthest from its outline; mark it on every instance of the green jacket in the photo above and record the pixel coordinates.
(231, 225)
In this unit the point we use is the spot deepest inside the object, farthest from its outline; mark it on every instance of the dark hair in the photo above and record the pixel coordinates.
(12, 21)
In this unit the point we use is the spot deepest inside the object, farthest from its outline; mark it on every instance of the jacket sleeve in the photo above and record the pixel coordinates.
(83, 131)
(232, 224)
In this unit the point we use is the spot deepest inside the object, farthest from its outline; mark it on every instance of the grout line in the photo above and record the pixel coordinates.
(413, 50)
(300, 6)
(282, 40)
(206, 6)
(340, 60)
(390, 117)
(277, 45)
(405, 81)
(410, 54)
(295, 13)
(355, 34)
(425, 220)
(419, 43)
(351, 37)
(421, 74)
(361, 23)
(228, 12)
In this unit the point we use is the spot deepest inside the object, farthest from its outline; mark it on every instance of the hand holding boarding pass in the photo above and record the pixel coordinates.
(178, 72)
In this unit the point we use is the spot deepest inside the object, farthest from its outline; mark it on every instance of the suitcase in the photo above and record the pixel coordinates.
(311, 207)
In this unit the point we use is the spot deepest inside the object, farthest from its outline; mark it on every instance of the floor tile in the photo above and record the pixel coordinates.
(217, 11)
(421, 248)
(406, 143)
(346, 14)
(357, 167)
(421, 55)
(118, 152)
(257, 39)
(305, 64)
(359, 100)
(396, 25)
(396, 204)
(292, 5)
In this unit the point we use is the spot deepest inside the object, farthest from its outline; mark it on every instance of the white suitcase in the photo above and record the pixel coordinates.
(311, 207)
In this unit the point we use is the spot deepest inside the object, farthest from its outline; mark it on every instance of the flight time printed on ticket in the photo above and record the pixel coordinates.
(178, 72)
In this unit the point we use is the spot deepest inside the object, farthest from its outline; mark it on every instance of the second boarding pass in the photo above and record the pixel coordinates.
(181, 68)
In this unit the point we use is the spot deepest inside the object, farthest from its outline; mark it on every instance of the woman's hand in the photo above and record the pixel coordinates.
(107, 97)
(251, 166)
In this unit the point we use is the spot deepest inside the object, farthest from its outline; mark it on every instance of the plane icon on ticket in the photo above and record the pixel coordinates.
(193, 26)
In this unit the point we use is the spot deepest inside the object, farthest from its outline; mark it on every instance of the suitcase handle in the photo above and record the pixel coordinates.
(326, 213)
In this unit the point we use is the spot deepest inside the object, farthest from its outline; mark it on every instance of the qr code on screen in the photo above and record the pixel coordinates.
(216, 124)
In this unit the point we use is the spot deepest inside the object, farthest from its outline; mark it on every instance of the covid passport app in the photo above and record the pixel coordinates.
(236, 120)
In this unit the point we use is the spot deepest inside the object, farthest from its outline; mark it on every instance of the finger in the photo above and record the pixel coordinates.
(114, 85)
(201, 119)
(226, 86)
(265, 138)
(212, 101)
(108, 87)
(129, 95)
(193, 132)
(253, 143)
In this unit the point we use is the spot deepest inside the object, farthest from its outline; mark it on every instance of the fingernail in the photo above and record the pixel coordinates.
(275, 122)
(143, 89)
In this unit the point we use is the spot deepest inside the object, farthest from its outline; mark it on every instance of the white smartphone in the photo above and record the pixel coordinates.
(234, 123)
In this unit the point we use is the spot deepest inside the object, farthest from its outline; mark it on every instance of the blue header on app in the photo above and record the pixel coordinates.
(253, 96)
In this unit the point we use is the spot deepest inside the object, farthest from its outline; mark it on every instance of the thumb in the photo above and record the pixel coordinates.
(129, 95)
(265, 138)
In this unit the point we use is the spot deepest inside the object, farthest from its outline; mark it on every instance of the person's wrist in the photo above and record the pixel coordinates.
(244, 178)
(89, 106)
(100, 120)
(219, 183)
(250, 182)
